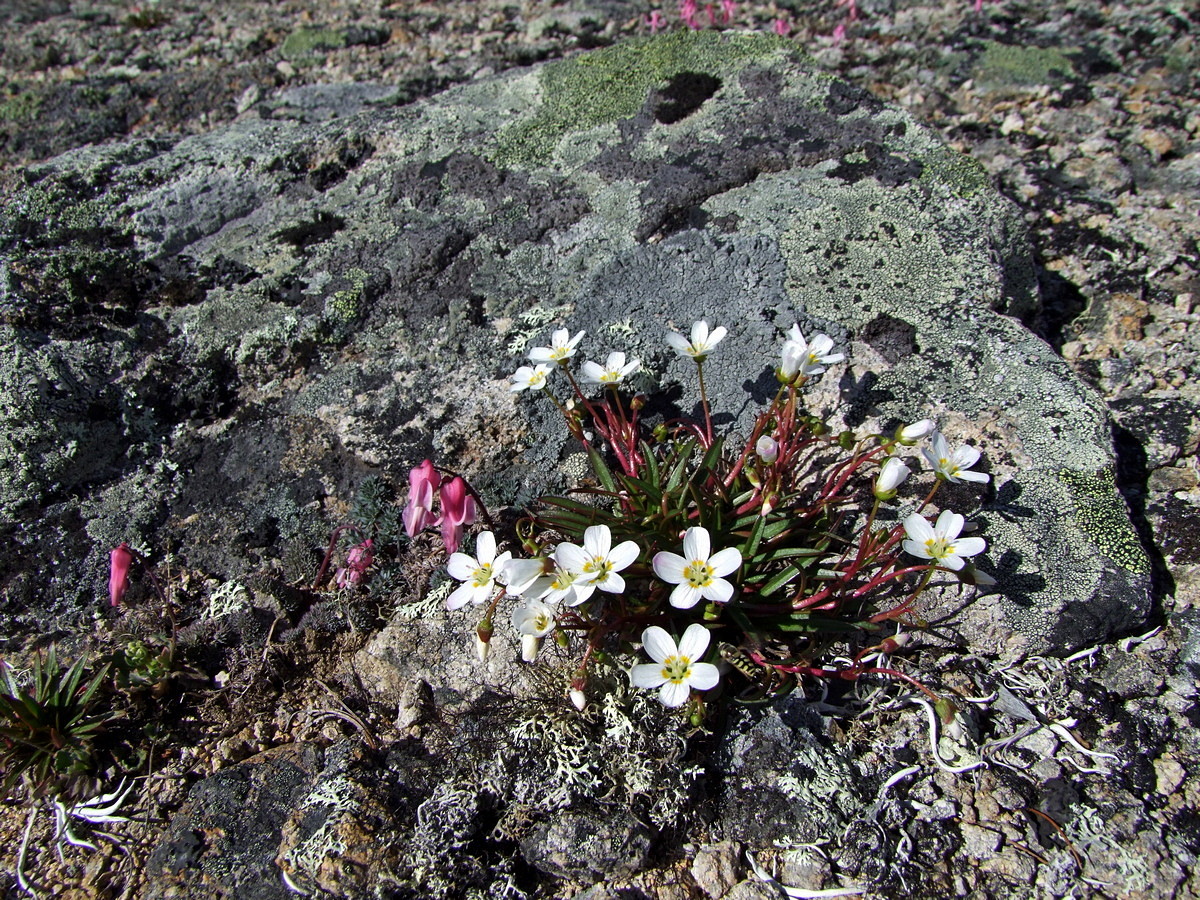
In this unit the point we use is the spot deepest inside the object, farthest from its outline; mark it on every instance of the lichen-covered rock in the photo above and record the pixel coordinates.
(346, 297)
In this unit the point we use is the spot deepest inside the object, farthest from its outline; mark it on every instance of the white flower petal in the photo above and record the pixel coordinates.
(461, 567)
(949, 525)
(613, 583)
(917, 548)
(658, 644)
(918, 529)
(669, 566)
(950, 561)
(461, 597)
(965, 456)
(623, 555)
(704, 676)
(718, 590)
(725, 561)
(572, 557)
(671, 694)
(485, 548)
(678, 343)
(694, 642)
(699, 334)
(647, 675)
(977, 477)
(685, 596)
(718, 334)
(592, 372)
(968, 546)
(597, 540)
(696, 543)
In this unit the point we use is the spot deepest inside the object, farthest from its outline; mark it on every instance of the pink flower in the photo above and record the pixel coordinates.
(839, 33)
(728, 8)
(119, 561)
(358, 560)
(782, 28)
(458, 509)
(418, 515)
(687, 12)
(655, 20)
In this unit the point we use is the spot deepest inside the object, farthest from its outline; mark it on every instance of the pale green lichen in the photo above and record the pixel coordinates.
(309, 41)
(612, 84)
(347, 306)
(1006, 65)
(1101, 516)
(226, 599)
(337, 795)
(964, 176)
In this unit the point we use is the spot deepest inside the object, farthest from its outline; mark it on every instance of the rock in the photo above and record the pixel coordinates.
(361, 287)
(578, 844)
(715, 868)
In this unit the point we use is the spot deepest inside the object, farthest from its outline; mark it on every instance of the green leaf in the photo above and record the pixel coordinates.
(600, 467)
(680, 466)
(780, 579)
(751, 545)
(653, 473)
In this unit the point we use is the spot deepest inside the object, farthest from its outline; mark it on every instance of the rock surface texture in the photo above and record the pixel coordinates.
(209, 344)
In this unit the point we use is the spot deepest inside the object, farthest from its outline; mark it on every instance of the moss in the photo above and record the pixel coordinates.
(612, 84)
(1102, 517)
(962, 174)
(20, 108)
(308, 41)
(1009, 65)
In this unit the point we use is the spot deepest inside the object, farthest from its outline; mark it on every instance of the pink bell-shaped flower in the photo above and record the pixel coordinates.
(119, 561)
(418, 515)
(458, 509)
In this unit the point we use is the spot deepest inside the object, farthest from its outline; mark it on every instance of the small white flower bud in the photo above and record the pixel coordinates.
(891, 475)
(530, 645)
(767, 448)
(579, 698)
(910, 434)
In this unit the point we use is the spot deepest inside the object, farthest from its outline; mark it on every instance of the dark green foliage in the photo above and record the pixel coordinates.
(47, 726)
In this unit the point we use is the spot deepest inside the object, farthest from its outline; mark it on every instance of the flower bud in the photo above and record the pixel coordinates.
(769, 503)
(767, 448)
(579, 698)
(530, 645)
(893, 472)
(846, 439)
(119, 561)
(638, 402)
(560, 638)
(483, 637)
(910, 434)
(969, 574)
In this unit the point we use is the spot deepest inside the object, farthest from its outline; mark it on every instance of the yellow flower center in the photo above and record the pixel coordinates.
(600, 565)
(698, 573)
(938, 548)
(676, 669)
(482, 575)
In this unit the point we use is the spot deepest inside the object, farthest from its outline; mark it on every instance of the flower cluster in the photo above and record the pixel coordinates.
(455, 499)
(773, 541)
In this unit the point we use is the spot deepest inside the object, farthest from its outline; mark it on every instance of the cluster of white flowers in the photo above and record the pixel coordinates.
(562, 347)
(570, 574)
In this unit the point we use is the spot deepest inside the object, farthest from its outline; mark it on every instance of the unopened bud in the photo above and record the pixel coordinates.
(660, 433)
(483, 637)
(578, 698)
(846, 439)
(638, 402)
(712, 612)
(560, 638)
(891, 475)
(530, 645)
(910, 434)
(769, 503)
(819, 427)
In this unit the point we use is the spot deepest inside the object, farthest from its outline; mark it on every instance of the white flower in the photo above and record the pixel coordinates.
(675, 670)
(533, 620)
(578, 698)
(529, 378)
(940, 542)
(767, 448)
(561, 348)
(564, 584)
(954, 466)
(910, 434)
(597, 560)
(519, 575)
(802, 358)
(696, 574)
(891, 474)
(613, 371)
(478, 572)
(702, 342)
